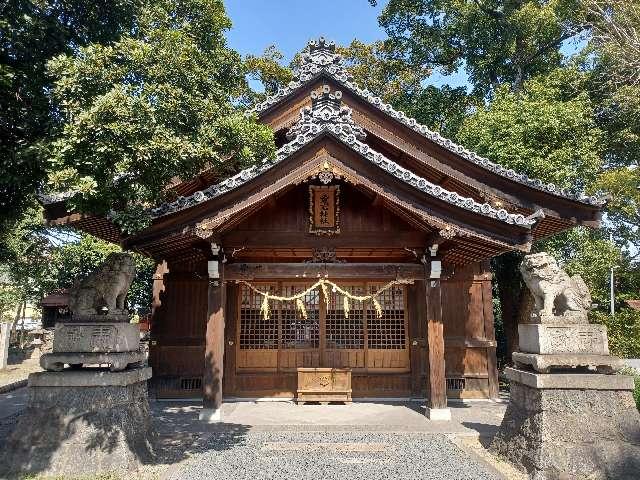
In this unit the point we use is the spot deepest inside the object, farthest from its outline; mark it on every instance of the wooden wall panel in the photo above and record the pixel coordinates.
(180, 360)
(468, 330)
(178, 326)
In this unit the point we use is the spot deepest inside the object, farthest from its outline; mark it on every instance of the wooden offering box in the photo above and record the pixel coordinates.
(324, 385)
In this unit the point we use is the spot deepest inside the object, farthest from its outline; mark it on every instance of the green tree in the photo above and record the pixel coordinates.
(158, 103)
(547, 130)
(615, 54)
(497, 42)
(374, 67)
(33, 31)
(269, 71)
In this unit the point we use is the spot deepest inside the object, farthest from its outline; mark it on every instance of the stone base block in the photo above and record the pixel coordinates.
(96, 337)
(117, 361)
(570, 381)
(559, 339)
(573, 432)
(76, 430)
(605, 364)
(89, 377)
(210, 415)
(439, 414)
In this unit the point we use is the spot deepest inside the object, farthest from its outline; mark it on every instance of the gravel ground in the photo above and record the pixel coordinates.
(246, 454)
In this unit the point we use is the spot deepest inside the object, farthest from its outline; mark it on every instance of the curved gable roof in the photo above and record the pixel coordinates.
(320, 58)
(327, 115)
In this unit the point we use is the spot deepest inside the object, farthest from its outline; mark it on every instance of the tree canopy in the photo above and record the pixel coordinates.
(33, 32)
(156, 104)
(497, 42)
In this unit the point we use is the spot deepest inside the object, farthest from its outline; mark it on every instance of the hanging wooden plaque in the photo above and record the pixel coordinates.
(324, 209)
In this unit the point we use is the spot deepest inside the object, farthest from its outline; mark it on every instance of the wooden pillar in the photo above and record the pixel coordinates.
(214, 345)
(437, 391)
(489, 330)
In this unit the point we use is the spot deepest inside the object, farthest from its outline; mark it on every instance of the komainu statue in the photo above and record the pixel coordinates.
(556, 294)
(107, 288)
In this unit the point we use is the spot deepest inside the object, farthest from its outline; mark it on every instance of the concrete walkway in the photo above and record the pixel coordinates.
(472, 418)
(368, 439)
(273, 439)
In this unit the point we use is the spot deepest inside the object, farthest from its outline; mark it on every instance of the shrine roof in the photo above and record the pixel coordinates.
(327, 116)
(320, 58)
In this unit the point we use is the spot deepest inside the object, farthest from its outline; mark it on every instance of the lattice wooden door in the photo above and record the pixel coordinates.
(326, 337)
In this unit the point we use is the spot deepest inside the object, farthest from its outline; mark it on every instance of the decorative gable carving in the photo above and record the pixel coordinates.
(320, 56)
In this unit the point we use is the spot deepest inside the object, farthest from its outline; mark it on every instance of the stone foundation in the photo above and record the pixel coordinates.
(90, 423)
(545, 363)
(571, 432)
(55, 362)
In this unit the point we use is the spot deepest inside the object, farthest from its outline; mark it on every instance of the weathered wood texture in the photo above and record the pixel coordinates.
(437, 395)
(279, 230)
(180, 323)
(324, 385)
(470, 347)
(214, 343)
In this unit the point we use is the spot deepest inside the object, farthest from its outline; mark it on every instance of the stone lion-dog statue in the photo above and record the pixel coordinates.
(555, 293)
(105, 288)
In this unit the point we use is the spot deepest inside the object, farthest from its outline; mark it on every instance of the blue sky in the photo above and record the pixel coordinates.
(290, 24)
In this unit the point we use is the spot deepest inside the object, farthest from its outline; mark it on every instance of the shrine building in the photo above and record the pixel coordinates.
(391, 224)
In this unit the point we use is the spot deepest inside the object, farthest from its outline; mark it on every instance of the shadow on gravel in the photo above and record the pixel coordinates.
(181, 434)
(178, 435)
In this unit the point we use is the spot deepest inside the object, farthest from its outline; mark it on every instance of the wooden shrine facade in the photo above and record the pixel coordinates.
(360, 195)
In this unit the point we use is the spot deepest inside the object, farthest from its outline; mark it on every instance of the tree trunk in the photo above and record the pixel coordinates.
(24, 313)
(14, 326)
(511, 293)
(5, 333)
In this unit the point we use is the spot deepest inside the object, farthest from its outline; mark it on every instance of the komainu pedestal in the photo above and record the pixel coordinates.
(571, 426)
(82, 420)
(81, 423)
(569, 416)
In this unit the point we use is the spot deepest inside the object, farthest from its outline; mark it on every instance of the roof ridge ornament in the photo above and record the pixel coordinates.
(320, 56)
(325, 113)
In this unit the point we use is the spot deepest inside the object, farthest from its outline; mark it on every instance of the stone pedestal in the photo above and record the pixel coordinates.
(96, 337)
(82, 423)
(571, 426)
(79, 344)
(582, 347)
(545, 363)
(561, 338)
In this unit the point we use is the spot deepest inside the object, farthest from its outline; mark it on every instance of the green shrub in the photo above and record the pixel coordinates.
(623, 329)
(636, 391)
